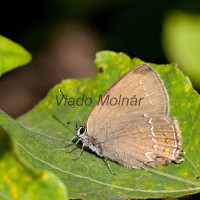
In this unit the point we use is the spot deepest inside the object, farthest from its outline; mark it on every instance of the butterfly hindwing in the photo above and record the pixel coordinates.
(156, 141)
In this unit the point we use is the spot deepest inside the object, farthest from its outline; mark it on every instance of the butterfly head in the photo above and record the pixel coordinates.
(81, 131)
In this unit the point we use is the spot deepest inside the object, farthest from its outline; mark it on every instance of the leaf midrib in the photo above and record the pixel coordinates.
(119, 187)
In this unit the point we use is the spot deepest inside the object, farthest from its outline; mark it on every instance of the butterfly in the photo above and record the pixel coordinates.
(133, 134)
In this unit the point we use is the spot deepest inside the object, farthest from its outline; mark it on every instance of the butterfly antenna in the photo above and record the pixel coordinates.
(71, 106)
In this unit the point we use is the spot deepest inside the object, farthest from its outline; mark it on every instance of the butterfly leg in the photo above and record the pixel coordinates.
(106, 161)
(69, 151)
(65, 145)
(79, 153)
(74, 146)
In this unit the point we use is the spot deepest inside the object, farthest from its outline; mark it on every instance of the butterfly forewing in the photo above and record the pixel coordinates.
(142, 86)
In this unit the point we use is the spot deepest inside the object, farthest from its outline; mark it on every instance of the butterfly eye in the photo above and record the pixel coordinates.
(82, 131)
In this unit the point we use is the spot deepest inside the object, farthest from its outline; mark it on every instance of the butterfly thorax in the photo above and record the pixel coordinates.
(89, 140)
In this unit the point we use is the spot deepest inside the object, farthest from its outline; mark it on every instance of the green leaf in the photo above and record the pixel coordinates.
(12, 55)
(19, 181)
(181, 43)
(88, 177)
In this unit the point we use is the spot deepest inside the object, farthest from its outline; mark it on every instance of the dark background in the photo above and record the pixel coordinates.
(64, 35)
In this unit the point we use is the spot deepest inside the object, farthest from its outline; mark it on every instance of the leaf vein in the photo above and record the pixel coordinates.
(115, 186)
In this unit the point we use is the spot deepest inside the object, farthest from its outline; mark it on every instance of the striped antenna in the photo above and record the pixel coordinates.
(71, 106)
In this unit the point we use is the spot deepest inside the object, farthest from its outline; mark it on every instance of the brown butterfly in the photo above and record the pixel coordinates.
(136, 132)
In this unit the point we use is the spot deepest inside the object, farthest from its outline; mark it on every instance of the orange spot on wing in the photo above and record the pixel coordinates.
(167, 150)
(165, 134)
(168, 141)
